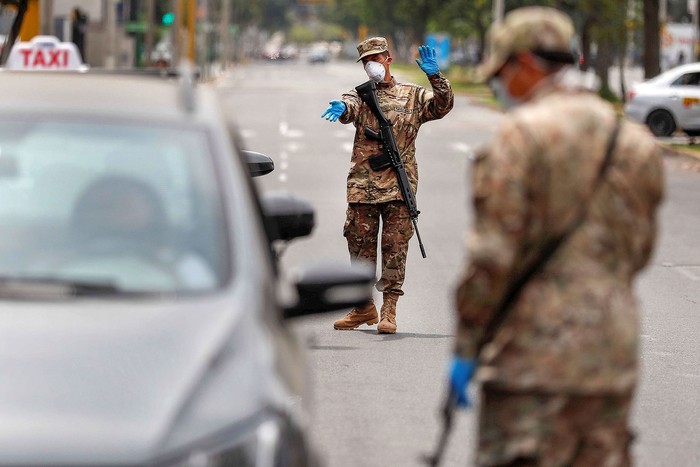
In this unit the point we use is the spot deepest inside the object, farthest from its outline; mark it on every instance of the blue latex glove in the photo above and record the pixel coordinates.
(334, 112)
(461, 372)
(428, 60)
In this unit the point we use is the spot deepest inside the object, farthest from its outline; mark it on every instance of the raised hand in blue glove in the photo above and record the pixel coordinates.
(334, 112)
(428, 60)
(461, 372)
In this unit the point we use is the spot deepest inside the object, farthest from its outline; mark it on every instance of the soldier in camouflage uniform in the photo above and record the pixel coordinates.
(373, 195)
(559, 374)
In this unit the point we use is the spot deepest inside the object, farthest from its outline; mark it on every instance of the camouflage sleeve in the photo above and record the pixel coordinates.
(650, 180)
(501, 215)
(353, 102)
(437, 103)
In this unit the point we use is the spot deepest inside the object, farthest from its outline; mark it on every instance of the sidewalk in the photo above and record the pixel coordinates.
(678, 146)
(632, 75)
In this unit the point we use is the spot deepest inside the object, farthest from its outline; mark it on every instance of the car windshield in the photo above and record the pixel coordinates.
(123, 207)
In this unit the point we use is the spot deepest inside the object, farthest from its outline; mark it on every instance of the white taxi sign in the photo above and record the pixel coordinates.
(45, 53)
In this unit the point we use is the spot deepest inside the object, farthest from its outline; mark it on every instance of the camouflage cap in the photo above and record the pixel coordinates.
(371, 46)
(545, 31)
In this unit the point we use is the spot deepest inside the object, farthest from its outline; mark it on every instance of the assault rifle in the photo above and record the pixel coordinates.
(390, 157)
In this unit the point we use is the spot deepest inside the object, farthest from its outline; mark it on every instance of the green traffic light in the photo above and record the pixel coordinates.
(168, 19)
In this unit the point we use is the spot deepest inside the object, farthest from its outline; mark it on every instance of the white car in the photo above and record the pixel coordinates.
(668, 102)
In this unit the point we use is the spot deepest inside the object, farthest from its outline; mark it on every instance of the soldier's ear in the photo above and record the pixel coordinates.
(389, 60)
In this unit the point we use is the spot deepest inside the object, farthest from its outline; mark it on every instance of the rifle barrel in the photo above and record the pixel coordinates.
(420, 242)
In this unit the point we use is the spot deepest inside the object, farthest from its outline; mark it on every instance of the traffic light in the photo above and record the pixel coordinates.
(168, 18)
(164, 16)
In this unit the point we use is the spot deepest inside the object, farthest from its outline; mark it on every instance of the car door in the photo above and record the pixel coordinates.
(685, 100)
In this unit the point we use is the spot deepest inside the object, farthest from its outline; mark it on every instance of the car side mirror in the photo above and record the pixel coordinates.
(330, 287)
(287, 217)
(258, 164)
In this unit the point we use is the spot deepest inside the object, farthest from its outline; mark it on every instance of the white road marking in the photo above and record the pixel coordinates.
(691, 272)
(289, 133)
(292, 146)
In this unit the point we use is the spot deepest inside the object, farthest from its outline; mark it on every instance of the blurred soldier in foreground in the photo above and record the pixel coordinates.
(565, 199)
(373, 194)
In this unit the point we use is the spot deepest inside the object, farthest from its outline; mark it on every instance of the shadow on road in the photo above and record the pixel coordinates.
(333, 347)
(405, 335)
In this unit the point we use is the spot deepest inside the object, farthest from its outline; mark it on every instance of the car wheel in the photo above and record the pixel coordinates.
(661, 123)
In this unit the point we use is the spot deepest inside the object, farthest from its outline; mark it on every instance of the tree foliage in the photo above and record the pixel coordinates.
(404, 22)
(603, 23)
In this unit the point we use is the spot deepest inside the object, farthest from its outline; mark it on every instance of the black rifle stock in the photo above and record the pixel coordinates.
(368, 93)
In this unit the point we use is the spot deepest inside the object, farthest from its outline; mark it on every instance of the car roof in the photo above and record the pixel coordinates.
(672, 73)
(695, 66)
(96, 94)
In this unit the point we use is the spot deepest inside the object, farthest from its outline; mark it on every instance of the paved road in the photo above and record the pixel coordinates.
(375, 398)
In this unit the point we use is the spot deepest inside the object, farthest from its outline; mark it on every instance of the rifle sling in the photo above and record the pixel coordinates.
(504, 307)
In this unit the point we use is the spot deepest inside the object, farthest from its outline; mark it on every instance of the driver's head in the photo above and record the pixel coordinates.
(121, 206)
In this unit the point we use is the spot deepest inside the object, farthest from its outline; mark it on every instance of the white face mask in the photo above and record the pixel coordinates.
(500, 90)
(375, 71)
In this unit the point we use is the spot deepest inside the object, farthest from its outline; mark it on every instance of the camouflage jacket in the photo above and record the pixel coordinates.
(574, 326)
(408, 106)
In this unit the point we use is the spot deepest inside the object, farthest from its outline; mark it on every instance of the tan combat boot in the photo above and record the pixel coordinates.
(358, 316)
(388, 323)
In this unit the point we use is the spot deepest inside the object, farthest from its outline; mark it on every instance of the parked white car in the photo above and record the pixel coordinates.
(668, 102)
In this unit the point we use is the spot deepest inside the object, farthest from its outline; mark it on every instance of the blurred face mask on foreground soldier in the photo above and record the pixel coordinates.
(565, 201)
(519, 60)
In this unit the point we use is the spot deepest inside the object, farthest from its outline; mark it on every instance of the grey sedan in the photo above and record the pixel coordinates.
(141, 310)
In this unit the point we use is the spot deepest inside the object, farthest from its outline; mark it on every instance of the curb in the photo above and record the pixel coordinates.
(676, 151)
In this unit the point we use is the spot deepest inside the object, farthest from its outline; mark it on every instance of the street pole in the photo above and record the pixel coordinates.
(696, 22)
(498, 11)
(111, 32)
(150, 29)
(176, 32)
(225, 14)
(46, 18)
(663, 11)
(192, 30)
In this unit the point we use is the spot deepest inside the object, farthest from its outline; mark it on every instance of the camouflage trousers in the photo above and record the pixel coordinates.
(543, 430)
(362, 231)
